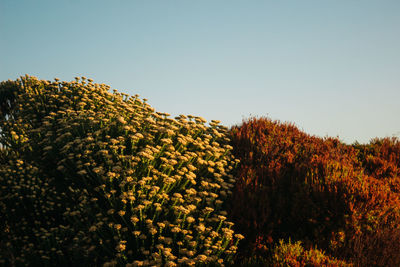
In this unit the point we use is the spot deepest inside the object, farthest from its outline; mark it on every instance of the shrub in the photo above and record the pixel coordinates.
(291, 254)
(91, 177)
(381, 159)
(377, 247)
(294, 255)
(314, 190)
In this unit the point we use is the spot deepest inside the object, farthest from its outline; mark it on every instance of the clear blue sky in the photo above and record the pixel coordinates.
(330, 67)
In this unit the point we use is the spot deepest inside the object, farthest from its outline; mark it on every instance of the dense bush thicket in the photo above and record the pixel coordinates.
(339, 198)
(94, 178)
(381, 159)
(89, 177)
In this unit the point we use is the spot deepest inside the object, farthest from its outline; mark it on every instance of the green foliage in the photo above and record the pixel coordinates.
(90, 177)
(285, 254)
(294, 255)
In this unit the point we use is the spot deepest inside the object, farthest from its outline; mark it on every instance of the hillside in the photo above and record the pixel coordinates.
(90, 177)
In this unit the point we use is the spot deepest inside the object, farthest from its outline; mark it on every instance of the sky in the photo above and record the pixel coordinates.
(330, 67)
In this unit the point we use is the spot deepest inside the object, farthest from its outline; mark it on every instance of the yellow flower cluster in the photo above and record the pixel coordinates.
(96, 177)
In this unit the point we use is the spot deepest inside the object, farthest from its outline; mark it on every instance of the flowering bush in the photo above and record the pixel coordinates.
(90, 177)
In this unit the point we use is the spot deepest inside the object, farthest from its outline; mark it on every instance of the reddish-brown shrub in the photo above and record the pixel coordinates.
(381, 159)
(379, 247)
(291, 184)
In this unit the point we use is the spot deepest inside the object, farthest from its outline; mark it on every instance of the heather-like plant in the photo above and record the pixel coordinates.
(314, 190)
(91, 177)
(381, 158)
(281, 179)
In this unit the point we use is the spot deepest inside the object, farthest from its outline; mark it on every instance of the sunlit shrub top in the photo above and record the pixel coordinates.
(381, 158)
(103, 178)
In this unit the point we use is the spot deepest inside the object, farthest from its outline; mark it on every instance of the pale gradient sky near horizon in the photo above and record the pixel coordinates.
(330, 67)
